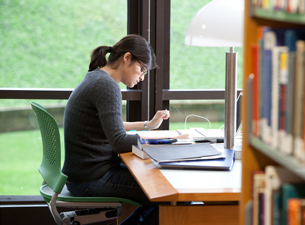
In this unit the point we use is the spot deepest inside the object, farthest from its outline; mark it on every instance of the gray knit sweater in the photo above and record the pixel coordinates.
(93, 128)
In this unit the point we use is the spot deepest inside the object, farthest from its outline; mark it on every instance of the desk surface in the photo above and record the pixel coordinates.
(164, 185)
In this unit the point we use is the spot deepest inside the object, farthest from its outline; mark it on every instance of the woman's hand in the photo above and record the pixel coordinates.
(183, 136)
(157, 120)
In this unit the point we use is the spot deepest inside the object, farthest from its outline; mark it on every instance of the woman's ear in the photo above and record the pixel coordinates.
(127, 57)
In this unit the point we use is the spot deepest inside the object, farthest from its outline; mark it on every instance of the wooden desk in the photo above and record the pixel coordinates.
(219, 190)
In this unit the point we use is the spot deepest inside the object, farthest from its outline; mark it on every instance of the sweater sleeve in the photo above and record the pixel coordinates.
(108, 102)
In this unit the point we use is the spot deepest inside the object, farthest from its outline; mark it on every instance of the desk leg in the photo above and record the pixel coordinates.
(127, 210)
(199, 215)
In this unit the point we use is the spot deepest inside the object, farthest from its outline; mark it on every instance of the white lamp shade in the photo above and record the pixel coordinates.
(219, 23)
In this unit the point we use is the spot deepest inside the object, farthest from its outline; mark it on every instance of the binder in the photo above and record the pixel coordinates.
(182, 152)
(213, 164)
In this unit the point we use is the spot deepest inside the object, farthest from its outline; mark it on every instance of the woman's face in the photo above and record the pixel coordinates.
(134, 73)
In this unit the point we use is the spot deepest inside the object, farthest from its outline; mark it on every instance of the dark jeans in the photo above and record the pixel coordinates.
(118, 182)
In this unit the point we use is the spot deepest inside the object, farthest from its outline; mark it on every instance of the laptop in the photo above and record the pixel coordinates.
(225, 164)
(201, 134)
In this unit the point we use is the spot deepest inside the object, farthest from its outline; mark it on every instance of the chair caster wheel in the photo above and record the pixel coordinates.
(75, 223)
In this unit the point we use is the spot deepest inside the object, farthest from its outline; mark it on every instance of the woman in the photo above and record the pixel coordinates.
(95, 132)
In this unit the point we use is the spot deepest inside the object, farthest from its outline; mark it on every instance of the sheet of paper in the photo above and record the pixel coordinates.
(155, 133)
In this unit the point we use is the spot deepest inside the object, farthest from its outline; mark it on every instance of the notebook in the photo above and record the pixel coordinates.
(201, 134)
(225, 164)
(170, 153)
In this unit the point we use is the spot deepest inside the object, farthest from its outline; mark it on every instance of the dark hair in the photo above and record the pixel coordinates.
(136, 45)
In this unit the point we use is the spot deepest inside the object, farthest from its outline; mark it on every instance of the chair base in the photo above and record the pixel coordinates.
(81, 212)
(88, 216)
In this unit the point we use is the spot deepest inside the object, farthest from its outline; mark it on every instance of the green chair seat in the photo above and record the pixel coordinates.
(65, 195)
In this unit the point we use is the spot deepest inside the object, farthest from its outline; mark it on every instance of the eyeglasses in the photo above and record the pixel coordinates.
(143, 69)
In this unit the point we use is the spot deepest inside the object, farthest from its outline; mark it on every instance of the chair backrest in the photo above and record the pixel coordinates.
(50, 168)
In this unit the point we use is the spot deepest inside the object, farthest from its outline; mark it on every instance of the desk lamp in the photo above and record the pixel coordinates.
(220, 23)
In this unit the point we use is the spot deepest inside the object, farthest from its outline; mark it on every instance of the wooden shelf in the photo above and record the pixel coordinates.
(278, 15)
(284, 160)
(256, 154)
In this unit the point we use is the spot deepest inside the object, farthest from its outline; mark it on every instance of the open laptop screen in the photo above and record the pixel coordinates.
(238, 113)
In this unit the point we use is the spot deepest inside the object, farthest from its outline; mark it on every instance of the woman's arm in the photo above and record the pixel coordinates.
(134, 125)
(154, 123)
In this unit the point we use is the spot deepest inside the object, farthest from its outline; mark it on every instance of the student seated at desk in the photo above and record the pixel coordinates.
(95, 133)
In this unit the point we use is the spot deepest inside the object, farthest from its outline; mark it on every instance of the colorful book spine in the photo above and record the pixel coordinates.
(277, 71)
(283, 81)
(255, 88)
(288, 6)
(298, 141)
(294, 214)
(258, 187)
(269, 39)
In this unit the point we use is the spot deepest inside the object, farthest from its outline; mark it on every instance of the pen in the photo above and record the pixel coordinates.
(162, 141)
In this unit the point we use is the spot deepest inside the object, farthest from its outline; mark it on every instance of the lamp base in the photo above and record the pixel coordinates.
(230, 99)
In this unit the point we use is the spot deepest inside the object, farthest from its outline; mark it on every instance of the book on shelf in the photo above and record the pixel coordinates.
(272, 44)
(288, 191)
(302, 211)
(258, 187)
(269, 41)
(281, 98)
(279, 83)
(299, 99)
(288, 6)
(278, 68)
(272, 188)
(290, 105)
(296, 211)
(255, 89)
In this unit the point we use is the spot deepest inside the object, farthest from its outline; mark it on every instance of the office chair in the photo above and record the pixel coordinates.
(86, 210)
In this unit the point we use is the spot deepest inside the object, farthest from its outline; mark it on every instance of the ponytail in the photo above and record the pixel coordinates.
(98, 57)
(138, 47)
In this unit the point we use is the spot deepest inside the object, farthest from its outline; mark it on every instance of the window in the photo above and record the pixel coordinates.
(48, 44)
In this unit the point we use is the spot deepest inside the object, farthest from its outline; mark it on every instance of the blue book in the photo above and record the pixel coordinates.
(271, 38)
(276, 213)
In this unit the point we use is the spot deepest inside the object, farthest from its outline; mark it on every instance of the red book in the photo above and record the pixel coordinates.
(294, 216)
(255, 123)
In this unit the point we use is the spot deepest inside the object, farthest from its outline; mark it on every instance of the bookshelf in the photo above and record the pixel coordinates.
(282, 159)
(279, 16)
(256, 154)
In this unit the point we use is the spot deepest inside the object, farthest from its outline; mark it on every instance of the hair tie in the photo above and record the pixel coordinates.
(110, 49)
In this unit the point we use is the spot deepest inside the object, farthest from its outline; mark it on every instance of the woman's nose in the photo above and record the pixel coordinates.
(142, 77)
